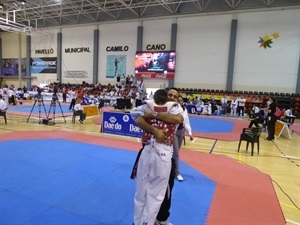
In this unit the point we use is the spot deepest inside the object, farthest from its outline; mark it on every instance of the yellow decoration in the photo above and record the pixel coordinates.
(275, 35)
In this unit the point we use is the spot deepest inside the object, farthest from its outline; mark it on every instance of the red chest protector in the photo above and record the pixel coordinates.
(167, 127)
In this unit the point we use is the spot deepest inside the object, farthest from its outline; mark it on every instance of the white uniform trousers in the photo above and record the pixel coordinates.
(153, 173)
(178, 139)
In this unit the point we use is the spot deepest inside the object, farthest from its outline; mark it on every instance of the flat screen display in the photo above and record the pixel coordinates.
(155, 64)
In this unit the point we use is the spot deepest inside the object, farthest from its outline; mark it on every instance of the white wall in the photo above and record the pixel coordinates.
(76, 37)
(157, 32)
(271, 69)
(202, 49)
(11, 45)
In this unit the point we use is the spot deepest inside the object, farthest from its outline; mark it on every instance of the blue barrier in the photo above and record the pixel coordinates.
(120, 123)
(191, 108)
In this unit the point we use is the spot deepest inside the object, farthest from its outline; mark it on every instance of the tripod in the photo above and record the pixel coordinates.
(40, 101)
(53, 104)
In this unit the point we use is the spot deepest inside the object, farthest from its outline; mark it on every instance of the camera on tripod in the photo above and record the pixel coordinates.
(54, 96)
(38, 96)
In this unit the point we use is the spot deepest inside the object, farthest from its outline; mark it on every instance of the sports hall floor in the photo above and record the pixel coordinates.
(239, 188)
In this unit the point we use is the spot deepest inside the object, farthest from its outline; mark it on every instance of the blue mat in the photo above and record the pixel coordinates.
(210, 125)
(36, 108)
(61, 182)
(198, 124)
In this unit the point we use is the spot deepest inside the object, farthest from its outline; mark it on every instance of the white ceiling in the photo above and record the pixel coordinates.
(54, 13)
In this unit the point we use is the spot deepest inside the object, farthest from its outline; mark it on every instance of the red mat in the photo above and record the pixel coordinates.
(295, 128)
(243, 196)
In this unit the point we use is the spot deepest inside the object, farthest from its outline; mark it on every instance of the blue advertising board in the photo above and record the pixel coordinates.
(191, 108)
(120, 123)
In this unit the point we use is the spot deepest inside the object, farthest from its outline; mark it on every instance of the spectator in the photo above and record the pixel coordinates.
(79, 110)
(253, 119)
(289, 117)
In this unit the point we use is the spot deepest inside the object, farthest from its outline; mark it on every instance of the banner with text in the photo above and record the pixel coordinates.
(120, 123)
(76, 74)
(170, 75)
(43, 65)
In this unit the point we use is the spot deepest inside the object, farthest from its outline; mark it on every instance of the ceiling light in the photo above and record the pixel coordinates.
(23, 2)
(1, 5)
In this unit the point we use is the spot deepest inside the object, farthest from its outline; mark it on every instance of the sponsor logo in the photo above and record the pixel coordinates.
(112, 119)
(163, 76)
(133, 128)
(125, 118)
(43, 63)
(113, 126)
(146, 75)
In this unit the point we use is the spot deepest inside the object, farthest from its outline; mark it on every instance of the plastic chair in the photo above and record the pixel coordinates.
(75, 113)
(250, 135)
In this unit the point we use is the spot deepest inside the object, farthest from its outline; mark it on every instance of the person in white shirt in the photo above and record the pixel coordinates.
(12, 95)
(288, 116)
(233, 106)
(3, 105)
(79, 110)
(150, 97)
(256, 109)
(241, 106)
(199, 107)
(179, 136)
(224, 105)
(4, 93)
(72, 98)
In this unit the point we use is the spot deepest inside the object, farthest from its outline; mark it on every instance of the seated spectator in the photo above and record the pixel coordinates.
(256, 109)
(288, 116)
(79, 110)
(253, 119)
(262, 114)
(257, 99)
(282, 115)
(3, 106)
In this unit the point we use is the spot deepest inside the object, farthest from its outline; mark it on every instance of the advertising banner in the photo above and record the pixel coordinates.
(160, 65)
(121, 124)
(115, 65)
(76, 74)
(43, 65)
(191, 108)
(154, 75)
(11, 67)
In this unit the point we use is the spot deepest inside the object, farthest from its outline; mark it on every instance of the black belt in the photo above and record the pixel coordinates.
(180, 127)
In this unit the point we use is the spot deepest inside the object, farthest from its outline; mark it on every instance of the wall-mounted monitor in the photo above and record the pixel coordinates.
(159, 64)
